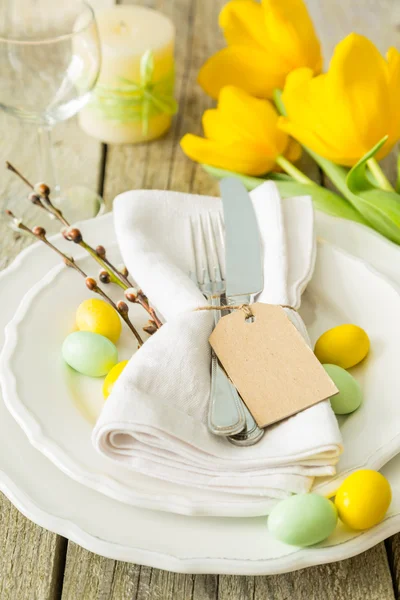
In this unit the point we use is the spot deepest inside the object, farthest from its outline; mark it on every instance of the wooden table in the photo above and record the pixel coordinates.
(37, 564)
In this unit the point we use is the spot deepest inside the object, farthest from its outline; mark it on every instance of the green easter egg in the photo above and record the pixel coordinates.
(89, 353)
(350, 394)
(302, 520)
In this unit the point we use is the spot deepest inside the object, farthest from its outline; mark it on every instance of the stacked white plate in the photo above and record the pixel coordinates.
(45, 448)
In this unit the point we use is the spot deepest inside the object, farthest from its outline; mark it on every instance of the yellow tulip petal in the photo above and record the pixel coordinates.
(293, 150)
(254, 119)
(310, 105)
(289, 30)
(357, 82)
(242, 23)
(248, 68)
(295, 79)
(220, 128)
(311, 140)
(393, 58)
(217, 128)
(237, 156)
(344, 113)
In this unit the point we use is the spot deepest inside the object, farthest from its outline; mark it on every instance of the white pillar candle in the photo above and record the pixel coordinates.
(133, 99)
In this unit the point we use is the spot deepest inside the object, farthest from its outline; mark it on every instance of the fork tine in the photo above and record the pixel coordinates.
(216, 270)
(193, 267)
(220, 227)
(207, 271)
(200, 248)
(198, 252)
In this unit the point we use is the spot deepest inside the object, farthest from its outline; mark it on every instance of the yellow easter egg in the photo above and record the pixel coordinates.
(112, 377)
(344, 346)
(97, 316)
(363, 499)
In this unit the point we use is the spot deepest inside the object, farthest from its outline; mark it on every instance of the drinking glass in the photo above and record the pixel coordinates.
(49, 63)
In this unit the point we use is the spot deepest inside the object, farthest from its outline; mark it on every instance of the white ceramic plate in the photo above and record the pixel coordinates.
(57, 407)
(192, 545)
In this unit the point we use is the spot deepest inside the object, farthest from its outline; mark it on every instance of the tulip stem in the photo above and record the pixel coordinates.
(293, 171)
(277, 98)
(379, 175)
(398, 175)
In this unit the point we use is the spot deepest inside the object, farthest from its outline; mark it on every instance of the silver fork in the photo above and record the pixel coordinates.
(226, 415)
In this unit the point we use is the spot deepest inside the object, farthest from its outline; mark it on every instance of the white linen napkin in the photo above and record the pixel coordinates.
(155, 420)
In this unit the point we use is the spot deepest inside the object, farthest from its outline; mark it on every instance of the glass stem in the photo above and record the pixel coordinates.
(46, 168)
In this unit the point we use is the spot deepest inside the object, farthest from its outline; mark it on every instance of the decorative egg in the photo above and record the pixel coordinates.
(344, 346)
(302, 520)
(89, 353)
(363, 499)
(350, 395)
(112, 377)
(97, 316)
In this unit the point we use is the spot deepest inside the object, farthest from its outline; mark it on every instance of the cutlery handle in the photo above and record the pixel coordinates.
(226, 414)
(251, 433)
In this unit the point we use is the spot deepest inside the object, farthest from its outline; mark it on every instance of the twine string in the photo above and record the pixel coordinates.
(245, 308)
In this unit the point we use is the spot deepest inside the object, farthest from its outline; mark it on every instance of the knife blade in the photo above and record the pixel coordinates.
(243, 268)
(244, 276)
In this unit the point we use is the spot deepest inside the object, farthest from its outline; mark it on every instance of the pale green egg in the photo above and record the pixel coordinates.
(89, 353)
(350, 394)
(303, 520)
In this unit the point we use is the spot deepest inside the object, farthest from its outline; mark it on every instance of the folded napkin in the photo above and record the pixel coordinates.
(155, 420)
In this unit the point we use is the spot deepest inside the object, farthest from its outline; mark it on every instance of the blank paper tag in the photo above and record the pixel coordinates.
(274, 370)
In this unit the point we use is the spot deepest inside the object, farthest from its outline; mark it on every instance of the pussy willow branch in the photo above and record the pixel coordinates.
(40, 234)
(41, 198)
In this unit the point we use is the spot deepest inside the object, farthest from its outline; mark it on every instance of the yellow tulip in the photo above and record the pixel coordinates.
(265, 42)
(342, 114)
(241, 135)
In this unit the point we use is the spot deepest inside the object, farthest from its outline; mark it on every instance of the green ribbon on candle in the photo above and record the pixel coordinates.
(137, 101)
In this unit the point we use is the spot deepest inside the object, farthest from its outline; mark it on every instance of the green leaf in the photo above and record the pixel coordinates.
(379, 207)
(323, 199)
(279, 177)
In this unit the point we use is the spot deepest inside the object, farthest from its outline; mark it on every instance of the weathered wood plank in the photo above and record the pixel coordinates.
(392, 545)
(32, 559)
(364, 577)
(338, 581)
(91, 577)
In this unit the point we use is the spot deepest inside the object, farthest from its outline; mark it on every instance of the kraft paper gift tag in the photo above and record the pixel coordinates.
(272, 367)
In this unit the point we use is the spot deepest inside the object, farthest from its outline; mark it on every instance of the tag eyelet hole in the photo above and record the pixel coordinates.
(250, 319)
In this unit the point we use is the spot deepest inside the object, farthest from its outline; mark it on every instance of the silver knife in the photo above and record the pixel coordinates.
(244, 275)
